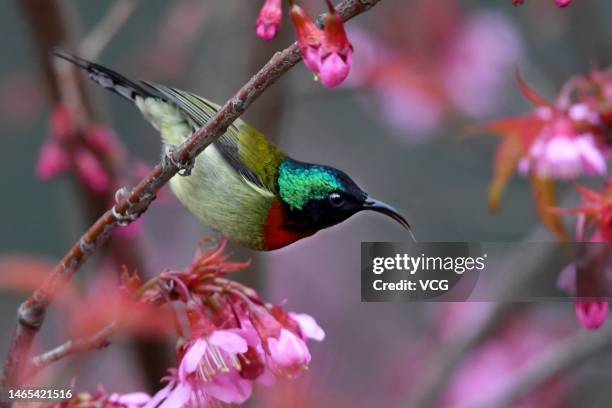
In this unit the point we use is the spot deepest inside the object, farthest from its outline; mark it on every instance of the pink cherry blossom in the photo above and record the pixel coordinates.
(288, 353)
(336, 50)
(231, 345)
(308, 326)
(478, 61)
(269, 20)
(592, 314)
(309, 38)
(210, 366)
(223, 343)
(559, 152)
(230, 388)
(53, 160)
(328, 53)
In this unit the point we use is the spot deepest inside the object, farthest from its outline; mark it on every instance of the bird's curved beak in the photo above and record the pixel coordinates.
(380, 207)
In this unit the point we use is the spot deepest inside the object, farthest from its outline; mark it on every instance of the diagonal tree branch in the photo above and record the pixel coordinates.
(55, 24)
(31, 313)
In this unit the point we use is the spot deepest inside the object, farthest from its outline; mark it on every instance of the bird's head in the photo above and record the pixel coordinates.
(313, 197)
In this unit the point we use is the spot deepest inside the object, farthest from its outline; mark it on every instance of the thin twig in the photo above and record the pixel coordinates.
(96, 341)
(554, 361)
(32, 312)
(101, 35)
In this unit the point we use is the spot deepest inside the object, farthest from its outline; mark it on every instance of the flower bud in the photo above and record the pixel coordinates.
(336, 51)
(53, 160)
(309, 37)
(269, 20)
(288, 353)
(592, 315)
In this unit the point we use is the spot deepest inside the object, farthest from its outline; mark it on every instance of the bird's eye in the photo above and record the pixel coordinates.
(336, 199)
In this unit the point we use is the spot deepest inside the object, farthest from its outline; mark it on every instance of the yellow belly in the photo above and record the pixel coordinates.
(214, 192)
(221, 199)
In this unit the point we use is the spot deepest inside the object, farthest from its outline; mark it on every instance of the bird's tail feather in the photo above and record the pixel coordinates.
(107, 78)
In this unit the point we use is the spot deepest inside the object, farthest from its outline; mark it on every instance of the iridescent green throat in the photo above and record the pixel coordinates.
(300, 182)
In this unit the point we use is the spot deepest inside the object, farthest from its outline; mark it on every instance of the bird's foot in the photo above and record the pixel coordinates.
(168, 158)
(123, 219)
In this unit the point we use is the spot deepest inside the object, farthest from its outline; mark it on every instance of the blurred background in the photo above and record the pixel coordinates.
(426, 75)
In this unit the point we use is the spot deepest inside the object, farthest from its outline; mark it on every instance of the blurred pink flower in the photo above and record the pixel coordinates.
(410, 107)
(91, 172)
(69, 146)
(477, 62)
(53, 161)
(460, 64)
(54, 157)
(592, 314)
(493, 366)
(269, 20)
(561, 152)
(560, 140)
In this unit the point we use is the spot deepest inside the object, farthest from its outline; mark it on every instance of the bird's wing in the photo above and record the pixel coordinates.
(244, 148)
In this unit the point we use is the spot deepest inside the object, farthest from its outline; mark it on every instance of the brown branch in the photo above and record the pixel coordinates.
(52, 24)
(97, 340)
(32, 311)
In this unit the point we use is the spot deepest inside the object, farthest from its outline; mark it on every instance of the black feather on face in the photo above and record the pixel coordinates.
(321, 213)
(327, 196)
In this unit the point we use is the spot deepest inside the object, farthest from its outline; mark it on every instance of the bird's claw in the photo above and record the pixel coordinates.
(128, 217)
(184, 167)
